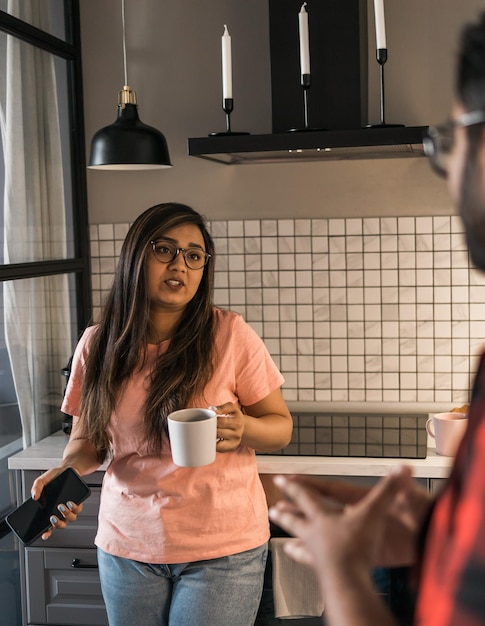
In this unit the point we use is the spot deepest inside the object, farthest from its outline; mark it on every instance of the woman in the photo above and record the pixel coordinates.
(176, 546)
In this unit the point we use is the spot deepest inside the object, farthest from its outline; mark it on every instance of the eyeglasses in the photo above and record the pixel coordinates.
(438, 144)
(166, 252)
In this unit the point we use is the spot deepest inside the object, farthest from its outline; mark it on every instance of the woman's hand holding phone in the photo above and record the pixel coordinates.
(56, 498)
(68, 511)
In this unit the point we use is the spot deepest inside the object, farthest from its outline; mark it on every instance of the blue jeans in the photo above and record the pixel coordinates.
(217, 592)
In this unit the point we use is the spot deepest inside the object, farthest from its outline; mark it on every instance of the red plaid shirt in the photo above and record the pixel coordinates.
(452, 583)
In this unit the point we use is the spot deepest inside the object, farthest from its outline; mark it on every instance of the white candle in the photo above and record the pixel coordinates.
(304, 40)
(226, 65)
(380, 24)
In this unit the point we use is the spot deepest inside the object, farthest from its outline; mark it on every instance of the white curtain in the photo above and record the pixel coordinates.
(36, 310)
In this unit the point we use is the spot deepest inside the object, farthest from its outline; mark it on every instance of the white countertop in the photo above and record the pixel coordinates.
(47, 454)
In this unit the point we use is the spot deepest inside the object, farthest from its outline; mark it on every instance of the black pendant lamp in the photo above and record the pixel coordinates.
(128, 143)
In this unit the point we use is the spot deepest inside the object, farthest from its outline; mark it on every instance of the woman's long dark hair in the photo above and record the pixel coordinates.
(119, 345)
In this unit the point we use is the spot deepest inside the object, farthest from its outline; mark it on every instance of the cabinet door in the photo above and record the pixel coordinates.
(436, 485)
(63, 587)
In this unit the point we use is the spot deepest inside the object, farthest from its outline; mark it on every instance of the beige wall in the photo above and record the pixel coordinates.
(174, 66)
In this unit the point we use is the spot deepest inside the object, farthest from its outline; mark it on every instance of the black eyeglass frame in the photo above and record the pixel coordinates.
(177, 251)
(439, 139)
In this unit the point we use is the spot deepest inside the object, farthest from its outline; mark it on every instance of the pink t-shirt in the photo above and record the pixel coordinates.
(156, 512)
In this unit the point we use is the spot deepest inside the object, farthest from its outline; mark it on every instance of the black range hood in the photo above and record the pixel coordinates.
(366, 143)
(337, 97)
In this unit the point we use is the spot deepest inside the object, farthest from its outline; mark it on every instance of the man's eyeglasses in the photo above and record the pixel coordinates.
(438, 143)
(166, 252)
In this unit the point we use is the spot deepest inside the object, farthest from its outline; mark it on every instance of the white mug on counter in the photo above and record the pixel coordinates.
(193, 435)
(447, 429)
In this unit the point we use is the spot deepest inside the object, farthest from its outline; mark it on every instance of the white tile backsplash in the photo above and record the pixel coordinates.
(352, 310)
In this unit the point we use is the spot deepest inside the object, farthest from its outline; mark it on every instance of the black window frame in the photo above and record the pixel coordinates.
(79, 265)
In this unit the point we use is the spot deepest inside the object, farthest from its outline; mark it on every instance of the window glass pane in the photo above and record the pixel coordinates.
(35, 170)
(47, 15)
(38, 333)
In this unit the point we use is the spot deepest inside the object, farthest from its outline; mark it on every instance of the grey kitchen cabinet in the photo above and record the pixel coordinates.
(60, 575)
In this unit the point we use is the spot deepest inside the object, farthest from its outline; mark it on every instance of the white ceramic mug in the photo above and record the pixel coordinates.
(192, 435)
(447, 429)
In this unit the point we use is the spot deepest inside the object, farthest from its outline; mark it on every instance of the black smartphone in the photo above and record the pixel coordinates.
(32, 518)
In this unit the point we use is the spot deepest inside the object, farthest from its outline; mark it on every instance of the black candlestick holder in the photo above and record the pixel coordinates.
(381, 56)
(305, 85)
(227, 106)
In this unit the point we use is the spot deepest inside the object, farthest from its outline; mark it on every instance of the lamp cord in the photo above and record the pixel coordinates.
(124, 39)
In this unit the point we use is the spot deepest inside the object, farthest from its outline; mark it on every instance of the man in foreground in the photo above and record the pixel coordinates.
(343, 531)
